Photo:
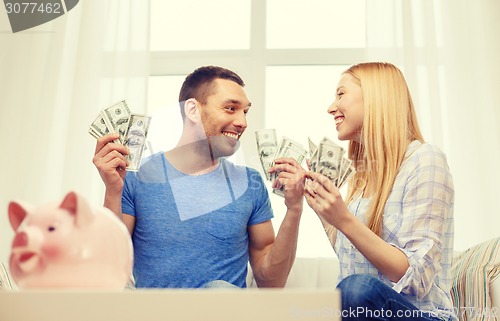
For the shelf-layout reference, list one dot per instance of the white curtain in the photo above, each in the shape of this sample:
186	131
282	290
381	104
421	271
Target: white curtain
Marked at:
54	80
449	51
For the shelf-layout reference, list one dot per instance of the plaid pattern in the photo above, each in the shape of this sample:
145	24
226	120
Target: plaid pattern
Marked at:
418	219
474	269
5	281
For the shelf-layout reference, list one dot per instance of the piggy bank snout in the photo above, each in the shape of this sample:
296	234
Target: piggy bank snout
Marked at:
29	237
20	240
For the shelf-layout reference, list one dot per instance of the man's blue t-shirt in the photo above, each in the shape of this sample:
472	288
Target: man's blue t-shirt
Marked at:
190	230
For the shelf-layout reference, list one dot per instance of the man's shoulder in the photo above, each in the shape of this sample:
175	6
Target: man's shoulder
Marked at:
247	178
152	169
236	168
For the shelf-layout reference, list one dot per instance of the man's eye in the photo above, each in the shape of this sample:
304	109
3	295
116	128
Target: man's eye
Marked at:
230	108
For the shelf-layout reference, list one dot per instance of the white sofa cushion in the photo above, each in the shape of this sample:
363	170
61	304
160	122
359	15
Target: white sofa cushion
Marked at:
314	273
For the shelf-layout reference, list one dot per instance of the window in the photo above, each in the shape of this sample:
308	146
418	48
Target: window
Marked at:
200	25
289	52
315	24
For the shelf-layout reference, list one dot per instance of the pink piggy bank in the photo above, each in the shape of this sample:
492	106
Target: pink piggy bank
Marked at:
69	245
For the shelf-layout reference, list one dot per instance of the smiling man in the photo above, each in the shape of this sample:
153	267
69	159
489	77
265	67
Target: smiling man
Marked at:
197	219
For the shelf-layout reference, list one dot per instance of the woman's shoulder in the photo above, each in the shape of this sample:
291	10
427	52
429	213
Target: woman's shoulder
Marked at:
423	153
427	166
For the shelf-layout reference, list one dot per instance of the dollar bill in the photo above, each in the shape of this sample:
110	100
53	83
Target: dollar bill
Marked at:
267	144
330	159
313	153
98	127
135	139
291	149
348	173
94	133
116	118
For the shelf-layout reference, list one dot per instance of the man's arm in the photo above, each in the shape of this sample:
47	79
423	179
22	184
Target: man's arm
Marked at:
272	258
109	159
129	221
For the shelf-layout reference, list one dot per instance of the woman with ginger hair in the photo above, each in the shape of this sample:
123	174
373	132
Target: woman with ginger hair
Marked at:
394	233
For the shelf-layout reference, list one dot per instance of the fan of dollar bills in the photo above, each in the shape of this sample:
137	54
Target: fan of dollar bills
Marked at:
133	129
269	150
327	158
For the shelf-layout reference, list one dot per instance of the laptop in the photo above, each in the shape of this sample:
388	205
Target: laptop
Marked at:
171	305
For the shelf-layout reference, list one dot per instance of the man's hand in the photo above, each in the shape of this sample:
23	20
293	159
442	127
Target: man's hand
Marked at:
109	158
292	177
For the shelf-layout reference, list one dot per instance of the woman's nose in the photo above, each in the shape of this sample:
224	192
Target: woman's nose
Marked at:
333	108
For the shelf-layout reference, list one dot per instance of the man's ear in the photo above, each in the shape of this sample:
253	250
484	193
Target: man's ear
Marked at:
191	110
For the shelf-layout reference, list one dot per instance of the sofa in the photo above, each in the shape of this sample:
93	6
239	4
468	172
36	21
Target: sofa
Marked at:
476	279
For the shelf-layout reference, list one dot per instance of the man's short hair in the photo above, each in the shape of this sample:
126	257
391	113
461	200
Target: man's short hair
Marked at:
200	84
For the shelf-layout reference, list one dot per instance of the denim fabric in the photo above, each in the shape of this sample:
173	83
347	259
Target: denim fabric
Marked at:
365	297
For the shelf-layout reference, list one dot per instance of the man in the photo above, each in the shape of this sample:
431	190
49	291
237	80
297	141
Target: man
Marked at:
195	217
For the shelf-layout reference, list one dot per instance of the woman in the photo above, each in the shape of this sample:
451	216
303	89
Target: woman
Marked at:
394	239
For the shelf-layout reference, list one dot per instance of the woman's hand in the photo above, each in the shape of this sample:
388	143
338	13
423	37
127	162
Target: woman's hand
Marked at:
325	199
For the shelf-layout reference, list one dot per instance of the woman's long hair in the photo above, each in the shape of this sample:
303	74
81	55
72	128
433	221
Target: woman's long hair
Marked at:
389	126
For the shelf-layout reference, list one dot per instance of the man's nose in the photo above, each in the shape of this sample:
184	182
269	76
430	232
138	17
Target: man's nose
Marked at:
241	120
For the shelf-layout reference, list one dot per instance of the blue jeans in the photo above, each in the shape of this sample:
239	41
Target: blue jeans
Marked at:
364	297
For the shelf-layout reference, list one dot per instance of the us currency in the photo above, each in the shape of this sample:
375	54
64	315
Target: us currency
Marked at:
98	127
267	145
313	152
291	149
135	139
349	172
94	133
287	148
116	118
330	159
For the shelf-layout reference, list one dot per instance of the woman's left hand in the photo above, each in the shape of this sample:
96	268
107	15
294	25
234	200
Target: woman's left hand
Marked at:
325	199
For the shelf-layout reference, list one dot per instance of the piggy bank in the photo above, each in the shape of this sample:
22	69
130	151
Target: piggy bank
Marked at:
69	245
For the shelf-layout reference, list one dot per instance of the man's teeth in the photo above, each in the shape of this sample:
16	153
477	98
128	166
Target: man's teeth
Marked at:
233	136
339	120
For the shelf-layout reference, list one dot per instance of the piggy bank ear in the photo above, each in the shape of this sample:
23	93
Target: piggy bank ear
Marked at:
17	213
77	207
